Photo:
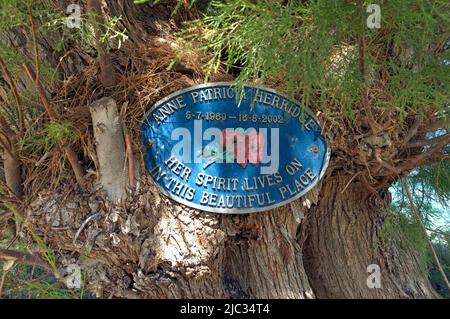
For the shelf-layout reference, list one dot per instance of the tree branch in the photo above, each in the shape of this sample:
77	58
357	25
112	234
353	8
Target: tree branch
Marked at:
422	226
412	130
24	258
35	44
14	91
427	142
419	159
34	77
71	155
106	67
445	234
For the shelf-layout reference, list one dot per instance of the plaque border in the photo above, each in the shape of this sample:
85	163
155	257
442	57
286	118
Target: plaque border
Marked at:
235	210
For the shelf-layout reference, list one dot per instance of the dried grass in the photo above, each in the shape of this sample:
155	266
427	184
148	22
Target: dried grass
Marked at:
143	77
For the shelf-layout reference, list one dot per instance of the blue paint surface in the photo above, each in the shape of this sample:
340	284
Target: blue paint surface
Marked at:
244	188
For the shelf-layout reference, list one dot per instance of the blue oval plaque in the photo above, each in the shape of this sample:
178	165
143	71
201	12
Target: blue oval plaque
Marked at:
220	149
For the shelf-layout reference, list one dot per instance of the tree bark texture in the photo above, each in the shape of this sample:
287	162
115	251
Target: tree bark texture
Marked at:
343	236
151	247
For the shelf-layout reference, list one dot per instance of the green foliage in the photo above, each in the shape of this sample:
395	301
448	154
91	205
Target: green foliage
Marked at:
53	134
154	2
47	290
406	232
323	54
307	49
52	20
47	253
112	35
27	281
14	15
443	253
33	282
430	185
311	49
145	1
433	181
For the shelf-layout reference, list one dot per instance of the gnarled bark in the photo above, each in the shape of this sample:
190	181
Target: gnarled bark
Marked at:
342	237
152	247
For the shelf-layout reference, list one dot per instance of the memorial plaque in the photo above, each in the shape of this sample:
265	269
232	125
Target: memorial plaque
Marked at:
221	149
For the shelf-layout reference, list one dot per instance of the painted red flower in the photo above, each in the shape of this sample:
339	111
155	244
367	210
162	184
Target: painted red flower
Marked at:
245	145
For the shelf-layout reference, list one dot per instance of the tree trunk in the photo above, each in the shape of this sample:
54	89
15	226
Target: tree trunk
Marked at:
152	247
342	238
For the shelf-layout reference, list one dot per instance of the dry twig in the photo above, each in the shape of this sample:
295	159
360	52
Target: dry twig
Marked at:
24	258
422	227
